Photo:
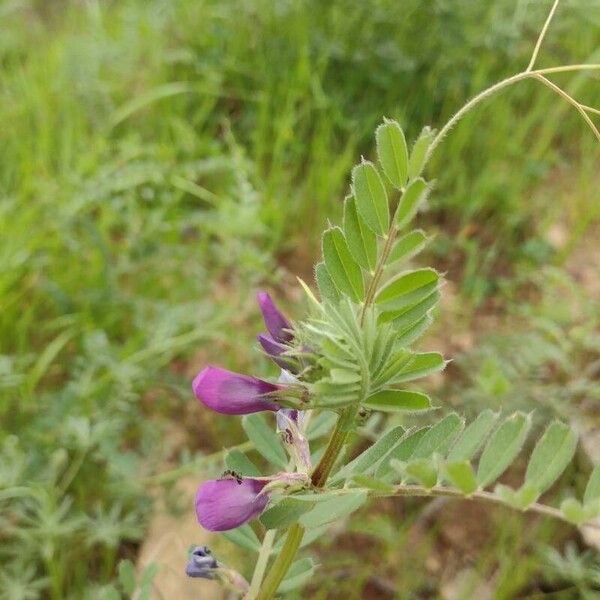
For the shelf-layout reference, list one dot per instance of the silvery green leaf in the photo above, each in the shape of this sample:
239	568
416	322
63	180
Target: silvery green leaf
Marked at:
573	511
404	284
368	460
407	246
422	470
462	476
244	537
325	284
127	576
342	268
398	400
409	317
344	376
300	572
394	365
392	152
317	496
551	456
473	437
382	350
333	509
410	202
285	513
402	451
502	448
321	424
418	154
371	483
371	197
409	334
362	242
421	365
525	496
264	439
592	489
237	461
440	437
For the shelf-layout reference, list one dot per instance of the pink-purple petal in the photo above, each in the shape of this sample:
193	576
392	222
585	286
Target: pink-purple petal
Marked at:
275	350
278	326
224	504
232	393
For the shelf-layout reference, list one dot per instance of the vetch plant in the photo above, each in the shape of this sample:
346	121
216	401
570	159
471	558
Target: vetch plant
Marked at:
352	356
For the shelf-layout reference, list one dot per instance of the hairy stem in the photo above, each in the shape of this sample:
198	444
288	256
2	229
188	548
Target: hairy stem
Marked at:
334	447
282	563
387	248
261	564
542	35
578	107
295	534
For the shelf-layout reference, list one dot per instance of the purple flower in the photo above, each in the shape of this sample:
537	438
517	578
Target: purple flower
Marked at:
275	350
223	504
202	563
277	325
234	394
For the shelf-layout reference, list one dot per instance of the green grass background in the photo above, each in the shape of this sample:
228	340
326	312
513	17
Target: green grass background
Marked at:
161	160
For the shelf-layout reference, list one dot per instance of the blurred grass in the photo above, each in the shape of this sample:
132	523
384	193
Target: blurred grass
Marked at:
158	157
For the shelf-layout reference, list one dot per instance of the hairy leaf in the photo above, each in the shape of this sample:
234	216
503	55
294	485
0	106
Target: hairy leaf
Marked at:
325	284
421	365
592	489
407	246
300	572
285	513
334	509
264	439
244	537
373	484
362	242
551	456
402	451
370	458
371	197
409	334
473	437
343	269
439	438
410	202
421	469
409	317
392	152
462	476
502	448
416	162
404	284
398	400
237	461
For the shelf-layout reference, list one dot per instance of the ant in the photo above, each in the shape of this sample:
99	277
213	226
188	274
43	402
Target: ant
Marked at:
236	476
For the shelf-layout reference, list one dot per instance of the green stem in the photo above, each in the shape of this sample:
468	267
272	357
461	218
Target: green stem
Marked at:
295	534
334	447
282	563
261	564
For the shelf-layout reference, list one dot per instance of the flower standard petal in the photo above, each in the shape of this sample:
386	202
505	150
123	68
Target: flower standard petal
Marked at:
223	504
279	327
232	393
